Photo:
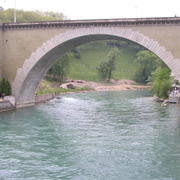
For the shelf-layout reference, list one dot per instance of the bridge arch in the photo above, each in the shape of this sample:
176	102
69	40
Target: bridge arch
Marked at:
35	67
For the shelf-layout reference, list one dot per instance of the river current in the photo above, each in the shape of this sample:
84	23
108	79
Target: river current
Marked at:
92	136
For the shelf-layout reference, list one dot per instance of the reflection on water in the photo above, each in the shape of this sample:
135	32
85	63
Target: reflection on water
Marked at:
97	135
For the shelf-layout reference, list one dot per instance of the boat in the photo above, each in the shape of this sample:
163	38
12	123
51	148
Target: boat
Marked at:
174	95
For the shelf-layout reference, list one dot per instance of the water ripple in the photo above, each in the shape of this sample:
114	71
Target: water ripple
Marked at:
97	135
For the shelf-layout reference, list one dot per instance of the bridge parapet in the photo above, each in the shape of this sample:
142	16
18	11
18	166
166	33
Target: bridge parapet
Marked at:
94	22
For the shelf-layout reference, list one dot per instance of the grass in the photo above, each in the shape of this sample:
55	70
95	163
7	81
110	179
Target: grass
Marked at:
85	67
46	88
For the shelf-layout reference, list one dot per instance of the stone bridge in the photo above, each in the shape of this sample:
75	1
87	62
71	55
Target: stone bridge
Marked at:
28	50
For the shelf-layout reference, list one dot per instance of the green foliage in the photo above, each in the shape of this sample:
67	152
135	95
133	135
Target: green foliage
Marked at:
59	70
85	59
161	82
92	54
45	87
29	16
5	87
148	62
105	68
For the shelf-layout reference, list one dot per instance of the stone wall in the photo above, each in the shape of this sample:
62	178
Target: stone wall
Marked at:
6	106
20	44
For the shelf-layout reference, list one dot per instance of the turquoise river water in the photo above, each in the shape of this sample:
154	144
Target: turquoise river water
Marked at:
92	136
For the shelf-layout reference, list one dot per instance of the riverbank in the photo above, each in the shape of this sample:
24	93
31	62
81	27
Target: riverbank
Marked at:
82	85
6	105
49	90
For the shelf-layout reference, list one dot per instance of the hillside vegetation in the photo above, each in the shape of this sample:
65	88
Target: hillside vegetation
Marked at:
29	16
92	54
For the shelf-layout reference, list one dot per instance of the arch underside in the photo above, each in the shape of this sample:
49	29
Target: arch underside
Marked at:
33	70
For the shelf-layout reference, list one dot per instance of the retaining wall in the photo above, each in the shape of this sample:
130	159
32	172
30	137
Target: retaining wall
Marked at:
6	106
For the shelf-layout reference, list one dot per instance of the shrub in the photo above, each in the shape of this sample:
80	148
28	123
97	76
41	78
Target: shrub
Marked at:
5	87
161	82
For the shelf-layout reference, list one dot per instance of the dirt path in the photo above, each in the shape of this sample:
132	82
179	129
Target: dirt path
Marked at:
121	87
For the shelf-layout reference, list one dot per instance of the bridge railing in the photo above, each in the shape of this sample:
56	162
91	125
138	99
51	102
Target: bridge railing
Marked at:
93	22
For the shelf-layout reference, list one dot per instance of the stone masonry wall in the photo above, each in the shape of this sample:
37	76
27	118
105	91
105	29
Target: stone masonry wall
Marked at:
19	44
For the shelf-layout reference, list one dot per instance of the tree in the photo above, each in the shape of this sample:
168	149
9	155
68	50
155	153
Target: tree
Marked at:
161	82
106	68
29	16
147	62
58	71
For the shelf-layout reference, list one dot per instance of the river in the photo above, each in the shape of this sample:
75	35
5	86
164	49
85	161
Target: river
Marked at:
92	136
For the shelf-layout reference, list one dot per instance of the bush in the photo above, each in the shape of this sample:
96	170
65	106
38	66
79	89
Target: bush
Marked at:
148	62
105	69
161	82
5	87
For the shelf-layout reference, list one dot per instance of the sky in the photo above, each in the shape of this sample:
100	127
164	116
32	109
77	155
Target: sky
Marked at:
100	9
